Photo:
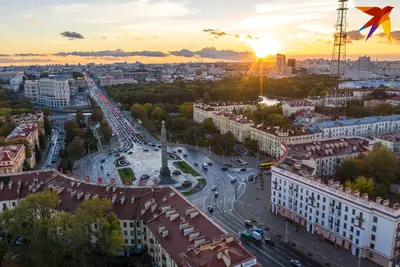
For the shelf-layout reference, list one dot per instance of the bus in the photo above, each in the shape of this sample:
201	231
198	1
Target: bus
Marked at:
266	165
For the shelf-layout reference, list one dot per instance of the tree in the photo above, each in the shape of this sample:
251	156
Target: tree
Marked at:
26	166
76	148
209	125
251	145
323	93
148	108
79	118
38	155
355	111
97	114
350	170
42	141
382	109
107	133
206	98
157	114
47	126
138	111
364	185
229	142
186	108
190	135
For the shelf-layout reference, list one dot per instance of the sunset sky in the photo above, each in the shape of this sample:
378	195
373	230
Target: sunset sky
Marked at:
158	31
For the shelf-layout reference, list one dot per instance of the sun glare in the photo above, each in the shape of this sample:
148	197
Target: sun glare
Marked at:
264	46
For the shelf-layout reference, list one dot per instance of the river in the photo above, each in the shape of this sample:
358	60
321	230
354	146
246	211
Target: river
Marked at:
269	101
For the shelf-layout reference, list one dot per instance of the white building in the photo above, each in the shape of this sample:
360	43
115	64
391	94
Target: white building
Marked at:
292	106
328	155
270	138
108	81
203	111
394	101
365	127
15	79
158	219
366	228
360	94
392	141
236	124
50	93
332	101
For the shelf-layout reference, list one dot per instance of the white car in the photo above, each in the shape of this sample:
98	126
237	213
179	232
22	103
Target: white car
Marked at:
108	173
214	188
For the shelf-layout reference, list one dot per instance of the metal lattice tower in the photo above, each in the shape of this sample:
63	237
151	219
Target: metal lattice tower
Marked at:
339	44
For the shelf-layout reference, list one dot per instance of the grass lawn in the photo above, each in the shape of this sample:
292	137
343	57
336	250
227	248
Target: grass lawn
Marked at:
126	175
187	193
184	167
202	181
103	142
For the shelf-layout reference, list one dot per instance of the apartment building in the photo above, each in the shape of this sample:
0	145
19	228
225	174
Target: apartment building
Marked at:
392	141
38	118
332	101
327	155
15	78
236	124
394	101
50	93
293	106
158	219
29	132
365	127
203	111
366	228
108	81
270	138
11	158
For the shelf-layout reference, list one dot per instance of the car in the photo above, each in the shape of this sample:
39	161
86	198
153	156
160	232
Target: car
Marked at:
233	180
179	150
117	155
159	146
101	167
248	223
259	230
145	150
19	240
243	169
224	168
156	149
210	209
209	164
296	263
130	152
176	172
269	241
173	151
185	155
214	187
108	173
196	164
215	193
102	161
204	166
145	177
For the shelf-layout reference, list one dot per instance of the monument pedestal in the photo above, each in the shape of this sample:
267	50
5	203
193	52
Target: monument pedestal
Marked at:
165	173
165	176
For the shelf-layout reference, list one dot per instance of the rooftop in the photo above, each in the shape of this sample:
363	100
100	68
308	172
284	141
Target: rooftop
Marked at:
396	98
28	116
328	148
22	131
276	130
238	118
352	122
390	137
8	154
187	234
299	103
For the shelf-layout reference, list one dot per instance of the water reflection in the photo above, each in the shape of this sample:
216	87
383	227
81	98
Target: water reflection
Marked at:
268	101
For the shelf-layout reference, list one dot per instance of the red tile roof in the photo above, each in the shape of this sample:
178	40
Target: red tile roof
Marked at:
157	206
8	153
396	98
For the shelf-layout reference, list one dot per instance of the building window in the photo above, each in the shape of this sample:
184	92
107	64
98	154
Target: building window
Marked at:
132	241
373	228
131	224
324	199
95	226
375	220
126	241
353	211
352	220
125	225
125	232
352	229
373	237
371	255
358	233
132	233
138	224
345	217
356	241
344	233
372	245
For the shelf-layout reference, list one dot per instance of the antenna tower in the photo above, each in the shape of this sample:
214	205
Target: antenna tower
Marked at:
339	45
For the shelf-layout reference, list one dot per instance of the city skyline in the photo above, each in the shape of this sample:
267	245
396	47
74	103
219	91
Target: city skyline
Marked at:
181	31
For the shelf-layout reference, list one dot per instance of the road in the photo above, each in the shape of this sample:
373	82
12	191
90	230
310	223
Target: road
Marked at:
223	204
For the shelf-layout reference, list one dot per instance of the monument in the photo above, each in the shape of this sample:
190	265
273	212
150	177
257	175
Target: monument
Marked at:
165	173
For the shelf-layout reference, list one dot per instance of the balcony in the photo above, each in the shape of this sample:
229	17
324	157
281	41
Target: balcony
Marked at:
151	241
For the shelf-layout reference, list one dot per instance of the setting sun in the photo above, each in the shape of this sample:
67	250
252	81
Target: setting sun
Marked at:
264	46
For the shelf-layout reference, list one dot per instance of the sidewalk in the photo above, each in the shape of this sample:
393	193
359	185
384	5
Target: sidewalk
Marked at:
303	241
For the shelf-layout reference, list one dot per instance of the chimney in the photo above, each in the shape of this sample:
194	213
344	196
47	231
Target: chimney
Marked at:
72	183
386	203
164	233
396	206
230	238
183	225
161	228
59	190
87	196
73	193
132	199
187	230
9	184
1	185
194	235
365	196
153	207
122	199
199	241
356	193
172	194
114	198
114	188
378	200
174	216
107	188
95	195
169	212
79	184
164	199
190	210
193	214
80	194
165	208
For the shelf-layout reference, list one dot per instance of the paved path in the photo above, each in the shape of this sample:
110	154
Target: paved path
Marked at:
255	199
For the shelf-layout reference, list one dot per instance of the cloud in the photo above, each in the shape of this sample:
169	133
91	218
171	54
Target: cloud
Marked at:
183	53
355	35
4	55
110	53
216	32
213	53
103	37
395	35
101	12
237	36
30	55
72	35
32	20
24	60
29	18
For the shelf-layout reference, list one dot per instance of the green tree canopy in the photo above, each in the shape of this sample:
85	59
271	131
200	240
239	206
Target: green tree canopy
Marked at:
157	114
76	148
364	185
209	125
206	98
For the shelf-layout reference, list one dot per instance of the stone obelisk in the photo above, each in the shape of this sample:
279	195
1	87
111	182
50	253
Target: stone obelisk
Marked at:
165	173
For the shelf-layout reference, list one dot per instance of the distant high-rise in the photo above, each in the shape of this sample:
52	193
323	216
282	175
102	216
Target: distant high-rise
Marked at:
280	63
291	62
364	63
49	93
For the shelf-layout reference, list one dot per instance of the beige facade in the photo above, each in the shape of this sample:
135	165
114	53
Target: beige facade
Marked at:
203	111
11	158
229	122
